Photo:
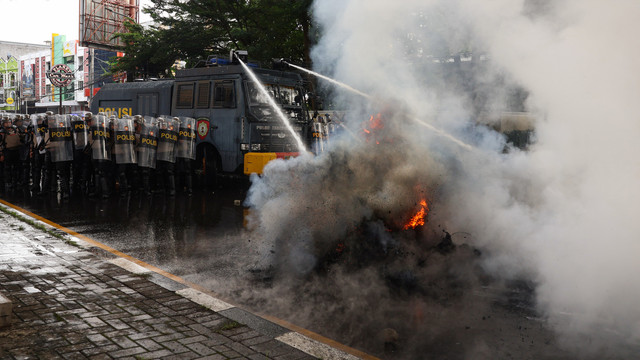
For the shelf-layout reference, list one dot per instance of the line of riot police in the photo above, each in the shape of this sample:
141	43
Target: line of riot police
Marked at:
96	155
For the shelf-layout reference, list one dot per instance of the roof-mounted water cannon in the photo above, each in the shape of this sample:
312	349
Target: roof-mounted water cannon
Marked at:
280	64
239	55
217	60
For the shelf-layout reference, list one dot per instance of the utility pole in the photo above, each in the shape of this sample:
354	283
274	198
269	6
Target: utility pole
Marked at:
91	77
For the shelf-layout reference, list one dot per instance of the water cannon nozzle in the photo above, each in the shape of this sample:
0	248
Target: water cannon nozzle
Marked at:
280	64
239	55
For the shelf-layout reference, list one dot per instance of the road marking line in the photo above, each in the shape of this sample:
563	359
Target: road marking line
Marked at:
130	266
205	300
313	347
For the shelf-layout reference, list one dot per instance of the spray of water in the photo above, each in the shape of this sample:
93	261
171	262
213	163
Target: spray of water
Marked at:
332	81
367	96
274	105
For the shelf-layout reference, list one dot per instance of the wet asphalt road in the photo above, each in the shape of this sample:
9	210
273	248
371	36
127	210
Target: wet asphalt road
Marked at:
445	309
172	232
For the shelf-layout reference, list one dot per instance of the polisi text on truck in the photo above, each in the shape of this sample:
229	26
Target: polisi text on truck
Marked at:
119	111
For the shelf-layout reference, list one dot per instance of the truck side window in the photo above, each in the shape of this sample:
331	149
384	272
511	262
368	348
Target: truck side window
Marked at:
202	101
224	94
185	96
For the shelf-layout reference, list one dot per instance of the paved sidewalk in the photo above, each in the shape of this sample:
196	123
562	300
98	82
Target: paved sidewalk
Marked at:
70	301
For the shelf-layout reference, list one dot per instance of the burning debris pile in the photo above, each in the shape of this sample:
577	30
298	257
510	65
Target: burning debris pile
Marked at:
366	188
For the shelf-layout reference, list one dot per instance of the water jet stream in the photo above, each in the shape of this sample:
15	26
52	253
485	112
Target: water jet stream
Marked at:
335	82
367	96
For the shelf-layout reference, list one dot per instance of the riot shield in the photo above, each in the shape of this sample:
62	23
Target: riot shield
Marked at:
26	136
148	145
60	137
40	125
125	141
80	132
100	136
186	146
318	143
167	138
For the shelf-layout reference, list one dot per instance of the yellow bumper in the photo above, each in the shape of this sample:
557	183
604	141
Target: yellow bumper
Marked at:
255	162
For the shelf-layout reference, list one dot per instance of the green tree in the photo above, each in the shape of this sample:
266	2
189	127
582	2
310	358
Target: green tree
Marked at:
192	30
147	53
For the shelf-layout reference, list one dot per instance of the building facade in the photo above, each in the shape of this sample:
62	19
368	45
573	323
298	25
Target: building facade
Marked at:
24	80
10	76
8	84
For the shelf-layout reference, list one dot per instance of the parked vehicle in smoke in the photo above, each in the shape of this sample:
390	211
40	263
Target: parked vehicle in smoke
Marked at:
237	131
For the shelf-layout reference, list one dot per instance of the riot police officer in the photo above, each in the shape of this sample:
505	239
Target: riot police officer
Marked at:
81	157
38	121
146	149
316	134
99	141
61	149
50	178
23	152
124	152
112	169
26	150
186	153
166	156
11	152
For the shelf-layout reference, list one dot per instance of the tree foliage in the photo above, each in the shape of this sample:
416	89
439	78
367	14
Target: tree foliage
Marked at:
191	30
146	53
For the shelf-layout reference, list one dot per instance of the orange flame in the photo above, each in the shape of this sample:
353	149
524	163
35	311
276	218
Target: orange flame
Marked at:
376	123
372	126
418	218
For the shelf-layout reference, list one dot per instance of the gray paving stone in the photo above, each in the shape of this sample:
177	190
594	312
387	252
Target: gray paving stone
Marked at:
244	350
175	347
73	304
270	348
192	339
149	344
99	340
201	349
97	350
215	357
127	352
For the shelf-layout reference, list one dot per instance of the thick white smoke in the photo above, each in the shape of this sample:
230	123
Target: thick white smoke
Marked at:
562	213
577	60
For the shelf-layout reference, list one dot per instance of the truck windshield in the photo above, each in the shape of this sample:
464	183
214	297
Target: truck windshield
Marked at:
283	95
288	97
